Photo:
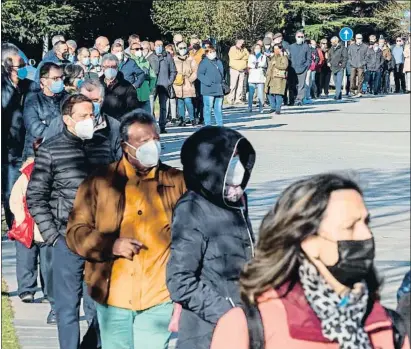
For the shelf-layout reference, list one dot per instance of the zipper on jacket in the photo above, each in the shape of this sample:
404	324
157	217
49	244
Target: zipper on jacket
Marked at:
249	233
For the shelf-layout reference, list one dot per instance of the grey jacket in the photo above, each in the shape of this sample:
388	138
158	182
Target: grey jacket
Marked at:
374	60
337	58
167	71
154	63
300	56
356	55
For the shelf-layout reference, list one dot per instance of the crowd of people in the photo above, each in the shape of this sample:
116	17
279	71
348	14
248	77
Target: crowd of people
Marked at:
152	249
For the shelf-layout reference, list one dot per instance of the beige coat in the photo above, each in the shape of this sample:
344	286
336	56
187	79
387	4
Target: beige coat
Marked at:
275	85
17	195
186	66
407	58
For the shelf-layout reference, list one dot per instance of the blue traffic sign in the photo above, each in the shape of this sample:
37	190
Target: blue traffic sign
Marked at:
346	34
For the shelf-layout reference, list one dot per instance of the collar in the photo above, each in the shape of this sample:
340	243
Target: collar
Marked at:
304	324
159	173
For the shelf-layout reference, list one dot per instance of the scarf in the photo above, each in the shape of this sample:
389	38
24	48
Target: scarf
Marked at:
341	317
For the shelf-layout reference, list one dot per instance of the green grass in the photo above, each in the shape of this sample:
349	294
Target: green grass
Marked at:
8	333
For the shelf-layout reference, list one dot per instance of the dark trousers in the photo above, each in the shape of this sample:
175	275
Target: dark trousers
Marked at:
297	86
356	72
385	81
198	102
68	269
325	77
27	263
399	78
374	81
162	94
338	81
9	175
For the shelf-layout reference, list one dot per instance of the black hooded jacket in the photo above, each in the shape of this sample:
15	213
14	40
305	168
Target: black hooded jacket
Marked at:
211	239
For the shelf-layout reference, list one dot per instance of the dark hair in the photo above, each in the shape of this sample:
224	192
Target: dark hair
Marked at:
135	116
133	37
36	145
46	67
210	48
72	72
71	101
296	215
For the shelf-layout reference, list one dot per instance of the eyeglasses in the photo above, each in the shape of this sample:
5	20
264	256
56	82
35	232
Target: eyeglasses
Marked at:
399	40
182	48
300	37
56	78
136	49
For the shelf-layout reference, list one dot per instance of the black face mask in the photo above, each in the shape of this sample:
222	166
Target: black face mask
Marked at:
355	260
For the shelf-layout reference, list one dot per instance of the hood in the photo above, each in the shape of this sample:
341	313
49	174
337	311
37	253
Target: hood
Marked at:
205	156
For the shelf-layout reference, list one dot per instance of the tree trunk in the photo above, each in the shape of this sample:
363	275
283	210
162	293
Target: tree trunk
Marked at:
303	19
45	44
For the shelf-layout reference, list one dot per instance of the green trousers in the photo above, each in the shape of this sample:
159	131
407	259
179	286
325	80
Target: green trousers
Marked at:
127	329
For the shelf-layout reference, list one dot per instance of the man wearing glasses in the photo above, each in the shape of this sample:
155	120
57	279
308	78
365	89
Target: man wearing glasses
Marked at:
398	56
356	60
43	106
148	87
300	62
61	164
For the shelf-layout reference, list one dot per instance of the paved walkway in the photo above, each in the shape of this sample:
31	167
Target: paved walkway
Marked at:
369	138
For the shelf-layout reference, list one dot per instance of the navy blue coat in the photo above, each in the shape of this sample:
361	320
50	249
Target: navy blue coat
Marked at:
167	70
133	73
210	77
39	111
300	57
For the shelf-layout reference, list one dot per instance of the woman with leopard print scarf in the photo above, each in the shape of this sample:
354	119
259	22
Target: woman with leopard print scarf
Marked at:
312	278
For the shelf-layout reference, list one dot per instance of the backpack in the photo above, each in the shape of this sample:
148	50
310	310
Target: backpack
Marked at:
256	328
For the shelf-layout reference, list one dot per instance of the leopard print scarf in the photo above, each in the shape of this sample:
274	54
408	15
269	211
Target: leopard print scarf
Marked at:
341	318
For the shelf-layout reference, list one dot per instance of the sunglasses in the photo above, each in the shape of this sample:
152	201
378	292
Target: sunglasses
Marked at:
136	49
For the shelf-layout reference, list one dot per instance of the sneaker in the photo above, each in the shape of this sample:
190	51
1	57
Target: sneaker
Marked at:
27	297
272	111
308	101
298	103
277	112
164	131
262	111
51	318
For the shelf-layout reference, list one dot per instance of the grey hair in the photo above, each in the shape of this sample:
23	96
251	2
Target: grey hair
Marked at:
91	84
71	43
92	49
145	43
56	38
8	51
335	38
109	57
81	49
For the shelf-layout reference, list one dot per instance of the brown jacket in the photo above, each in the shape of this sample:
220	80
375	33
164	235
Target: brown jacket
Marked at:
188	68
273	84
95	221
198	56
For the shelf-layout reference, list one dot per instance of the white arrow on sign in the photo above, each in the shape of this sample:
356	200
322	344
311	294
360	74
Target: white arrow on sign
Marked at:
346	34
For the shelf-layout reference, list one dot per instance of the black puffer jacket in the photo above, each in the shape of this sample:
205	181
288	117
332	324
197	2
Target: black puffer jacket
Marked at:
120	97
62	163
39	111
211	239
12	123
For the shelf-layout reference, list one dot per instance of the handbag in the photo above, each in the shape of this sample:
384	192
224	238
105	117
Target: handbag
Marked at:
24	232
282	74
179	80
224	85
171	93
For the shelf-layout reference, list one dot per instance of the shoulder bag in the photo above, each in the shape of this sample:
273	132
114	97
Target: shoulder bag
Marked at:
224	85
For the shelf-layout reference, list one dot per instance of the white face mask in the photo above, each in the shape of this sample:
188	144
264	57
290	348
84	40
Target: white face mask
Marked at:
148	154
120	56
233	194
139	53
84	129
182	51
212	55
235	172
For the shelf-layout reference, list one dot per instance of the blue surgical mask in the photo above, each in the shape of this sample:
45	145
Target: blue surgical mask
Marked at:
22	73
71	58
96	108
159	50
85	61
95	61
57	86
79	83
110	73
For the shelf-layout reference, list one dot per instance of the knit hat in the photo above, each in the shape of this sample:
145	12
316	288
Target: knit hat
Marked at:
267	41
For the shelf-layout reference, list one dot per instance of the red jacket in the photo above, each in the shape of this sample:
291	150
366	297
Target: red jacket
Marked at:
289	322
322	60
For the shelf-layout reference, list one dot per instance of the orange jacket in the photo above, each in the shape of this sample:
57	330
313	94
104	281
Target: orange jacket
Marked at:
290	323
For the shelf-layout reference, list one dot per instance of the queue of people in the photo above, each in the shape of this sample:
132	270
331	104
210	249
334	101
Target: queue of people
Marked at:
133	237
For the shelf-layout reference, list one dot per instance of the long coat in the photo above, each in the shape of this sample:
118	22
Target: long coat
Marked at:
186	66
276	85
